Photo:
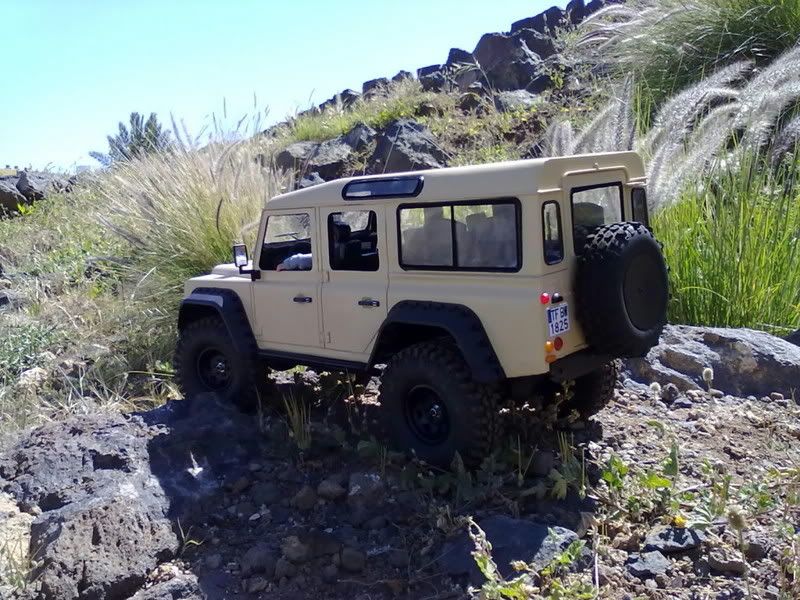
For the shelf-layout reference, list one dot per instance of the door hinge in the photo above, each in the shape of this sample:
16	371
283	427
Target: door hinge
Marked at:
326	276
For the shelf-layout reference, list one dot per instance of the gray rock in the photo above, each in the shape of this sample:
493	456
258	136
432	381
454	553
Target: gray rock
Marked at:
353	560
330	574
259	559
647	565
457	55
721	562
341	101
469	102
745	362
794	338
10	197
326	158
406	145
359	137
508	64
305	499
432	78
256	584
330	489
515	100
310	180
213	561
265	493
755	549
576	11
673	539
35	185
374	86
183	587
511	539
398	558
108	490
295	550
670	393
402	76
682	403
547	21
284	568
365	490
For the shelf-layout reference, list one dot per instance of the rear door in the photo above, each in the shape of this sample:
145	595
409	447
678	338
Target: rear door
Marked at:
355	279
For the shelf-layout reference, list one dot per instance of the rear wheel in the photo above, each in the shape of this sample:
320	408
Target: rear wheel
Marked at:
431	406
593	391
206	361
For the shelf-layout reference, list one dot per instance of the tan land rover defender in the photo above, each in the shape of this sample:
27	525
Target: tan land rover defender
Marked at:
472	285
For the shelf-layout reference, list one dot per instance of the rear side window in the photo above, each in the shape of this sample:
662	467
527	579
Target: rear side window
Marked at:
593	207
470	236
551	233
353	240
639	204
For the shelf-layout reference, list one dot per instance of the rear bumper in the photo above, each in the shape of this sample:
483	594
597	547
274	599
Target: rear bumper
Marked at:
576	365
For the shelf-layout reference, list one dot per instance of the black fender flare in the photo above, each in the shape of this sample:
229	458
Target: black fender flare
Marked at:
225	304
457	320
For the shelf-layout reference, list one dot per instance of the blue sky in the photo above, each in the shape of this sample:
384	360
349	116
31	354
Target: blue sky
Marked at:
72	69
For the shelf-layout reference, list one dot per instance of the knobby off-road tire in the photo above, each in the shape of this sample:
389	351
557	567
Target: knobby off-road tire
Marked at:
593	391
436	372
621	290
201	346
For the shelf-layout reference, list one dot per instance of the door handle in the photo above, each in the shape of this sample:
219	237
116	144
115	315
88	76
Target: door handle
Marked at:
303	299
369	302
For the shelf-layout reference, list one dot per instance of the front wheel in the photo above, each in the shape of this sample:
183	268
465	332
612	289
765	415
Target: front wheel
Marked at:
432	408
206	361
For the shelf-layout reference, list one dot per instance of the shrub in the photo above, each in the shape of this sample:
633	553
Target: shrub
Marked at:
733	247
670	44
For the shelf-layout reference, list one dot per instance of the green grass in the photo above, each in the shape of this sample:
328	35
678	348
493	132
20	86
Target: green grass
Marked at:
733	248
671	44
401	100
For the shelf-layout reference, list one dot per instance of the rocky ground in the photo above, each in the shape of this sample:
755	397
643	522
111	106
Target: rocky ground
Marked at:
685	493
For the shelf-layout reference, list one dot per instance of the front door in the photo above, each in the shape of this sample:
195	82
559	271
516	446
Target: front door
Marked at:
286	298
355	285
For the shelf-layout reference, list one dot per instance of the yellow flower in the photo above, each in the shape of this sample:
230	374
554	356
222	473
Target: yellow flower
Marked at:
679	521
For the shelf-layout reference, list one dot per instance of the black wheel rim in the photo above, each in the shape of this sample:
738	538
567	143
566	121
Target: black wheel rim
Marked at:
427	415
214	369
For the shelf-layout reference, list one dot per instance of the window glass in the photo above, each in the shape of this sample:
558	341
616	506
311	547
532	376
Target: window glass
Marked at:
639	202
353	240
485	236
551	233
287	243
594	207
426	236
383	188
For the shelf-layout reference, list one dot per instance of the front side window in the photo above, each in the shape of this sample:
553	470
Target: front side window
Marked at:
353	240
551	233
466	236
287	243
593	207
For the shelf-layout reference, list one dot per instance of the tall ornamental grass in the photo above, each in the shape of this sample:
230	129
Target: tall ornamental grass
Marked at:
180	211
670	44
733	248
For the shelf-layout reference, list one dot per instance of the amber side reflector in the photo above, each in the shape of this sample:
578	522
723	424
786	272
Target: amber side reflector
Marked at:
550	358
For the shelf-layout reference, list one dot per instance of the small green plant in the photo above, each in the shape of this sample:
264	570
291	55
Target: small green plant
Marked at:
571	473
554	581
298	418
17	563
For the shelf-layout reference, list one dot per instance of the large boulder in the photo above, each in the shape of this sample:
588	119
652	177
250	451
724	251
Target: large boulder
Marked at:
794	338
35	185
432	78
10	196
107	492
744	361
406	145
510	101
511	540
546	22
508	63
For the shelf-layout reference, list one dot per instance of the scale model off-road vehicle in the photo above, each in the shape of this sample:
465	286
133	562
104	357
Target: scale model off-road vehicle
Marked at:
472	285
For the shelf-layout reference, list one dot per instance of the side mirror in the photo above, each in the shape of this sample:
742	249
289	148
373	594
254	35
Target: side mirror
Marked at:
240	255
240	260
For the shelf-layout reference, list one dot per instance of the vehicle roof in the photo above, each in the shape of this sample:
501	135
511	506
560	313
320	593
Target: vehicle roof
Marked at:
504	179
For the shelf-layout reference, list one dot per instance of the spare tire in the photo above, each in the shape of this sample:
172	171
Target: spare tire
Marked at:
622	290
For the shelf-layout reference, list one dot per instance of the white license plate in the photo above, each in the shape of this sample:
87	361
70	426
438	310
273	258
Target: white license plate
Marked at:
557	320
